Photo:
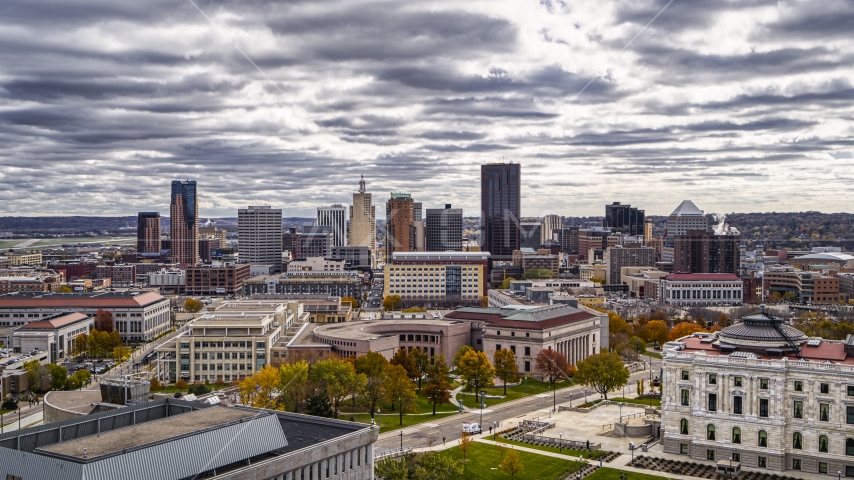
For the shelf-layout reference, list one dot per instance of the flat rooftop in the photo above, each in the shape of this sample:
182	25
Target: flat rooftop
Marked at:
361	330
147	433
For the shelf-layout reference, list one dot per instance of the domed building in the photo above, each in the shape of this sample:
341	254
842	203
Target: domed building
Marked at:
762	393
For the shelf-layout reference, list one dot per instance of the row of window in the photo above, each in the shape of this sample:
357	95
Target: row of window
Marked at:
798	385
330	467
220	356
417	338
797	407
762	438
223	344
513	349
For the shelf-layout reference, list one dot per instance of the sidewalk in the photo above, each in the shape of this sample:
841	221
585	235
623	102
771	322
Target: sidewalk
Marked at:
12	421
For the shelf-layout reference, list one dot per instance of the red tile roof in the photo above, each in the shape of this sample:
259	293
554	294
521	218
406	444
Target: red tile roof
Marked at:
57	322
70	301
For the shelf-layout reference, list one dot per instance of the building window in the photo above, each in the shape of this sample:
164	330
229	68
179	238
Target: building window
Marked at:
497	346
527	334
527	351
763	438
798	410
710	455
736	457
849	414
762	462
710	432
797	441
736	405
822	444
686	395
685	375
824	388
823	412
713	379
498	332
849	446
736	435
851	390
796	464
713	402
736	381
683	426
683	448
822	467
799	386
763	407
527	366
763	384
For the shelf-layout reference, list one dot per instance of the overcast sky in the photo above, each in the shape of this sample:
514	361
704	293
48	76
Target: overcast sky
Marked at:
740	106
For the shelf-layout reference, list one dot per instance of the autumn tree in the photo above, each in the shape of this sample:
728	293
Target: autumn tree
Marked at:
476	371
64	289
511	463
618	330
191	305
724	321
604	372
465	444
437	388
374	366
422	362
553	365
351	300
293	386
337	379
683	329
404	359
459	355
505	366
392	302
267	386
399	388
657	331
433	466
122	353
506	283
390	468
104	320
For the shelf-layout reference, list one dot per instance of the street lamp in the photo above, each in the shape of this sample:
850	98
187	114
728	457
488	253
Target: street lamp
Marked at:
494	430
839	475
19	419
729	472
482	404
621	411
632	448
560	445
401	440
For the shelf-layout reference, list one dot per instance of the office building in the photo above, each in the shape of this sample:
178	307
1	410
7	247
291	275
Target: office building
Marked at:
335	216
30	280
25	259
173	439
184	223
420	231
363	219
437	278
215	280
259	230
500	206
211	232
444	229
686	217
542	259
56	335
329	283
148	232
550	224
763	394
617	257
401	235
136	315
119	274
313	243
700	289
568	239
354	256
316	264
702	251
624	219
647	232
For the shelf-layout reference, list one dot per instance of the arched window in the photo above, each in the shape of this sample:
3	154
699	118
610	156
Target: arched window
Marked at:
822	444
736	435
763	438
849	446
797	441
683	426
710	432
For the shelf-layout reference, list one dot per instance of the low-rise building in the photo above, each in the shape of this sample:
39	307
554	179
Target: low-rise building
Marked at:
28	258
119	274
618	256
762	394
353	256
137	316
212	280
57	334
319	308
30	280
224	345
173	280
316	264
700	289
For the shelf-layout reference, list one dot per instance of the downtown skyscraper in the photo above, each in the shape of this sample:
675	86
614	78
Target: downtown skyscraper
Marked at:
363	219
500	206
334	216
148	232
259	231
184	222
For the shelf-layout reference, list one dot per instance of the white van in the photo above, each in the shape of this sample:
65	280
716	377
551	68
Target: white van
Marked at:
471	428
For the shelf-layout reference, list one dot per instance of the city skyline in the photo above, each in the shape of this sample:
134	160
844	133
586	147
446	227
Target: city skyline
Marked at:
711	102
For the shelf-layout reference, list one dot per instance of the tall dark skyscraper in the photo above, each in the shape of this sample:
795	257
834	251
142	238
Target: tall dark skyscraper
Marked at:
500	205
148	232
184	222
444	229
624	219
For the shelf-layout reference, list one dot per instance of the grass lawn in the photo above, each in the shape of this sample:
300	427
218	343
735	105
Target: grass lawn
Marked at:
388	423
566	451
174	389
641	401
483	460
614	474
528	387
653	354
4	412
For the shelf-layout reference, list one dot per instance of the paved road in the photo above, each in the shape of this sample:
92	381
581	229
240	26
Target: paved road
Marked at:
417	436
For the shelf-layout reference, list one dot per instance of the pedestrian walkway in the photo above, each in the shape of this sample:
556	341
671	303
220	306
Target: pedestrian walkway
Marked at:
25	422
